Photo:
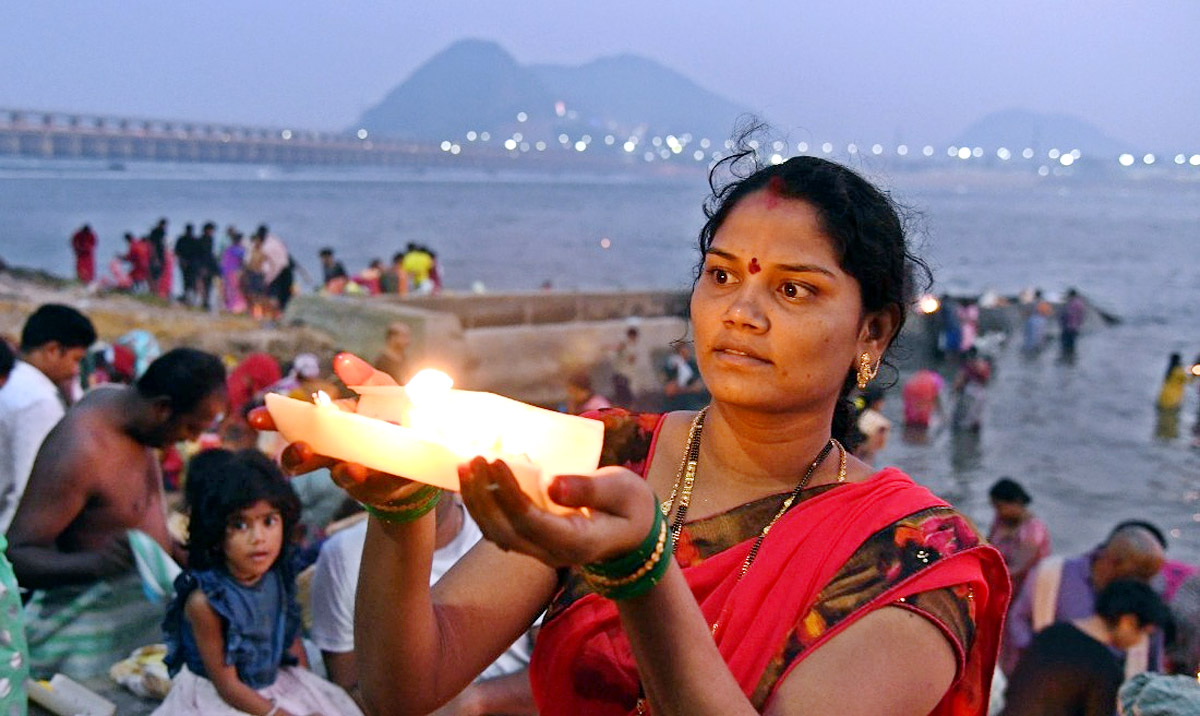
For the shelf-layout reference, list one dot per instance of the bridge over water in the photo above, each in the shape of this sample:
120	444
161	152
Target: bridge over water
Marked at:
73	135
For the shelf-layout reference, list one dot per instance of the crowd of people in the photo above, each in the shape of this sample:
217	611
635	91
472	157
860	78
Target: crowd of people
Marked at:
1037	316
739	553
969	367
958	324
1080	626
231	274
414	271
101	444
236	274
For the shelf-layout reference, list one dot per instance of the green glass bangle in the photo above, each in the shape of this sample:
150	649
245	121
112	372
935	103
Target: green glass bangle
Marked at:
643	585
627	563
408	509
642	574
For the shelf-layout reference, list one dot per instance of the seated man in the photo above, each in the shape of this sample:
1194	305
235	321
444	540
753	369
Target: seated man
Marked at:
1061	590
53	341
1070	667
95	481
502	688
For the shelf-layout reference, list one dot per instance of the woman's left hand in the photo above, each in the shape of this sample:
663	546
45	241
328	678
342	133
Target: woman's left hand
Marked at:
620	512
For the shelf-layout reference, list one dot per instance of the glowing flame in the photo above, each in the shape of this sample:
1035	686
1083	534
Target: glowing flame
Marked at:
929	304
1196	370
427	385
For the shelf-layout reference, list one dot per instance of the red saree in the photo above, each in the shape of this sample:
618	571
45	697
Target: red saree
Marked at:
583	664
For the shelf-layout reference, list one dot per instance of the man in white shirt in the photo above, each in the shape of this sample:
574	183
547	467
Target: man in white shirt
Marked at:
53	341
502	688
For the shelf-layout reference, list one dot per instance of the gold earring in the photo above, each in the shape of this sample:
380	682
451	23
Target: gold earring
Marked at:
866	371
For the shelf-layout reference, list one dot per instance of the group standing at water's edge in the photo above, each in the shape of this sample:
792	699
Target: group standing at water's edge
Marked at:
735	621
415	270
259	279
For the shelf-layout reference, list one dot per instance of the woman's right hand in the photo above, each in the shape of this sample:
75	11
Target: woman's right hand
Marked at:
368	486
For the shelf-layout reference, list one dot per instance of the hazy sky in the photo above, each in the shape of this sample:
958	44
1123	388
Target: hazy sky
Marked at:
870	70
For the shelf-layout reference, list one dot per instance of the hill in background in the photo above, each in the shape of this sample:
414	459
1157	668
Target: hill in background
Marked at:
1019	128
475	85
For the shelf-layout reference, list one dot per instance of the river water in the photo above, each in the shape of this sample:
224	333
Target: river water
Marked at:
1085	438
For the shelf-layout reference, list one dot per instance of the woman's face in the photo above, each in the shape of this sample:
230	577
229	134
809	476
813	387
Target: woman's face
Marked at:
778	323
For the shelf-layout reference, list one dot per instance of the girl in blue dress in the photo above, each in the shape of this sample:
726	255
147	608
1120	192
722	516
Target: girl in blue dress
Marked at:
232	629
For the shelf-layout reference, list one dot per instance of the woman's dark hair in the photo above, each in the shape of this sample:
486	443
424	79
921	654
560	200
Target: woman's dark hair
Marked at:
1129	596
1006	490
863	223
184	376
223	484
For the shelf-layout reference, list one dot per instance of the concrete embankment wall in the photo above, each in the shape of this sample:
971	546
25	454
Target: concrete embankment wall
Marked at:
520	345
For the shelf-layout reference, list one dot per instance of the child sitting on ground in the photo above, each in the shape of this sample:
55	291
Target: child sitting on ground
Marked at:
232	629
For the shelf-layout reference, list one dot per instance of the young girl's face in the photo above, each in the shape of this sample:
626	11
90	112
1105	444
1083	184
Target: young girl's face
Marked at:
253	539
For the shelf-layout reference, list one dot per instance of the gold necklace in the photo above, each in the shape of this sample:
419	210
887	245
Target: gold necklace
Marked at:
685	480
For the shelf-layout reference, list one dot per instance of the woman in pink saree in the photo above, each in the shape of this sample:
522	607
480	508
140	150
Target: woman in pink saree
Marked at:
232	259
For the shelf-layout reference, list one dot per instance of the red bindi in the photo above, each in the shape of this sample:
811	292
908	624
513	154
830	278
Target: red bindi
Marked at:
754	267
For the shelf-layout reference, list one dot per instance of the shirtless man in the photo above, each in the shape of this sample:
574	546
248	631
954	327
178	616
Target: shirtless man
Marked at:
95	477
